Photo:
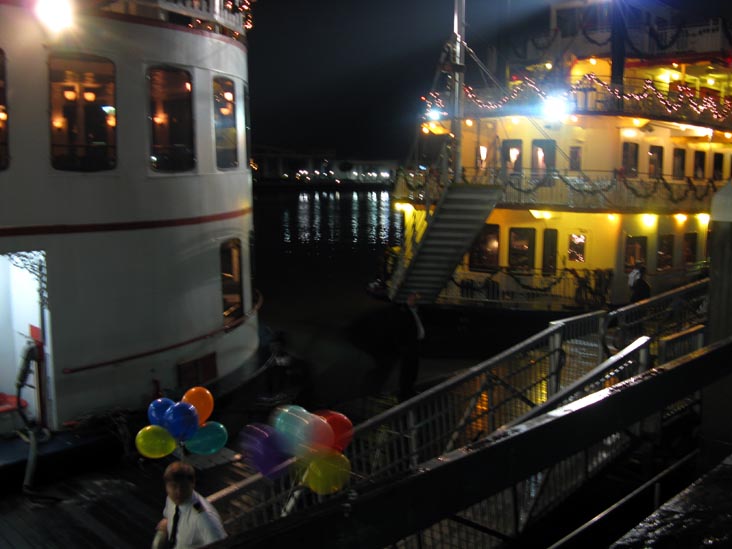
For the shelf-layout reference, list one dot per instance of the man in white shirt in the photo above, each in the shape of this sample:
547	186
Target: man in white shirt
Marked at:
190	521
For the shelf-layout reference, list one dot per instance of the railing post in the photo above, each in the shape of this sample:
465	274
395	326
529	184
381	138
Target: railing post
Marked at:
556	361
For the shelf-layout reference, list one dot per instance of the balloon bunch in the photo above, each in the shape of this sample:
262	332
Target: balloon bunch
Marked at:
317	439
184	423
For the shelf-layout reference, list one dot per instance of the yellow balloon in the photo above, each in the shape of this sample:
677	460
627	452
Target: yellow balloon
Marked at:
154	442
202	400
327	473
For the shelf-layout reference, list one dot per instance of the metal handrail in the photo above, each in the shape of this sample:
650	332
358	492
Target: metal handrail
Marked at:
478	401
127	358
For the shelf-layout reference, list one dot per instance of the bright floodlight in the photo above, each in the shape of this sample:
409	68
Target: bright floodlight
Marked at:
555	108
55	15
433	114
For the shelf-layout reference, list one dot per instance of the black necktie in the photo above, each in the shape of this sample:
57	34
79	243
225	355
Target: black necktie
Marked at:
174	531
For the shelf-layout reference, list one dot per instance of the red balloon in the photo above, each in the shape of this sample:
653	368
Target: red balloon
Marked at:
342	428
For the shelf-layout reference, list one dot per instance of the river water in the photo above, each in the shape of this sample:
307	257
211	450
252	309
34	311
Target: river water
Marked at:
315	253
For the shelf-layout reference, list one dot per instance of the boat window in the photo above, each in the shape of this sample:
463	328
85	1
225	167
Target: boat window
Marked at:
231	281
171	118
690	248
679	167
511	156
543	156
635	251
83	113
4	155
521	249
700	161
549	253
655	161
717	166
224	105
665	254
576	250
575	159
484	251
630	159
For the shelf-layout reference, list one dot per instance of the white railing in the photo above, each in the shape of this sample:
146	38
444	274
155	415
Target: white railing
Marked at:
475	403
205	13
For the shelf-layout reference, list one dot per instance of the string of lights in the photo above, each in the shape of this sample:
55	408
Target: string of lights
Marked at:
683	99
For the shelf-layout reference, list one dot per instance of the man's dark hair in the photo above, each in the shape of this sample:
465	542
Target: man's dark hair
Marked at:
179	471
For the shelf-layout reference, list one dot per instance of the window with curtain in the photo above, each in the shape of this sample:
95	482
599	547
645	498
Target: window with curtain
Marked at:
576	249
543	156
630	159
521	246
232	289
635	252
484	251
655	161
83	113
224	110
171	119
679	164
665	252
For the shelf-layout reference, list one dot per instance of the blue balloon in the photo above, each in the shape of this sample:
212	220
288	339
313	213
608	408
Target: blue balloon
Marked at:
156	411
181	420
262	447
209	439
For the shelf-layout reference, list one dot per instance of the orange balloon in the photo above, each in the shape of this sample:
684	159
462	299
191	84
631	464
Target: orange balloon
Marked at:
202	399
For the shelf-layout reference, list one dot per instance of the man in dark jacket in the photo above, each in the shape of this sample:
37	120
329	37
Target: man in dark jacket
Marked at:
640	290
410	335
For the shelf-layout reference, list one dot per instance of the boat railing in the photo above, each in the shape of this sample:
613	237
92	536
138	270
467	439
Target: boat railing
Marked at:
476	402
613	190
705	36
212	15
562	289
587	94
667	313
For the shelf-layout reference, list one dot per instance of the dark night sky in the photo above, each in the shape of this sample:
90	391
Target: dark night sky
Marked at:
346	75
343	75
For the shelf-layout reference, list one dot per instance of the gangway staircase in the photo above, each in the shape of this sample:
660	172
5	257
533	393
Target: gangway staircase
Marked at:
451	228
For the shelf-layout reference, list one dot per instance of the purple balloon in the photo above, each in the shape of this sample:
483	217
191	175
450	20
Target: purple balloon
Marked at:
181	420
156	411
261	444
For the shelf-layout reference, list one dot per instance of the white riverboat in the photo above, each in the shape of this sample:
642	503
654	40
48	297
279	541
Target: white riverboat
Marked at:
126	210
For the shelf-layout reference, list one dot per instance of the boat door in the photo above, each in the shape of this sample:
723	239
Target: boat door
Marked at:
23	323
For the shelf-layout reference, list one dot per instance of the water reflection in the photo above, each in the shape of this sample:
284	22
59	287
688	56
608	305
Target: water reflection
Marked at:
328	218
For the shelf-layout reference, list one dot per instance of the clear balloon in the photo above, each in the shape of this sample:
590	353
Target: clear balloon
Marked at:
319	434
342	428
209	439
202	399
262	448
156	410
292	423
327	472
154	441
181	420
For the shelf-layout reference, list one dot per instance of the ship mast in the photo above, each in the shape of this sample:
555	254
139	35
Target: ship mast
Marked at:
458	75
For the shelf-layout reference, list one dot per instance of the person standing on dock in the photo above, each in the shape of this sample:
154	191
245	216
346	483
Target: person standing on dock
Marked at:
411	334
190	521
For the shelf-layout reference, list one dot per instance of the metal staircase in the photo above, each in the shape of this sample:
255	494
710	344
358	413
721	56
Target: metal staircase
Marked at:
451	229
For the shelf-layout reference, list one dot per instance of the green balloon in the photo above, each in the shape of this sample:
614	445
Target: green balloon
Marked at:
209	439
154	442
